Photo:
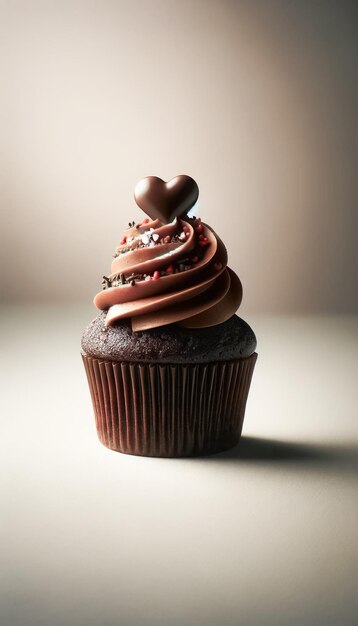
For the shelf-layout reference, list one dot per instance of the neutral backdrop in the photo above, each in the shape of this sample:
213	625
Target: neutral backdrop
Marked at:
255	99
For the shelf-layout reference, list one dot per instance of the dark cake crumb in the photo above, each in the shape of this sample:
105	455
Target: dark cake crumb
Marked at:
168	344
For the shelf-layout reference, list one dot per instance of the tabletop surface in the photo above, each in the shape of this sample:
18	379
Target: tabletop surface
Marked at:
266	533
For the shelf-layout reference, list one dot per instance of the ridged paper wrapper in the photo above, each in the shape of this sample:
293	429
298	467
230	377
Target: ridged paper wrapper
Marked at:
166	410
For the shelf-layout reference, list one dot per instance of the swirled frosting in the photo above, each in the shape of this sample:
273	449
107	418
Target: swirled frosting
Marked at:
166	273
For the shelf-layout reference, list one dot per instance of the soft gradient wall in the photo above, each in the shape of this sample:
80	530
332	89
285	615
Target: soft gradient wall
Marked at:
254	99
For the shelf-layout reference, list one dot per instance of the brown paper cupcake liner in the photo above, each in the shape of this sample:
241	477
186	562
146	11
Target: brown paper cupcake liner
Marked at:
168	410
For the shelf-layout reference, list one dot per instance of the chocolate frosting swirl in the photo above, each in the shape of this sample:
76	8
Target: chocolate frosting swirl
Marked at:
165	273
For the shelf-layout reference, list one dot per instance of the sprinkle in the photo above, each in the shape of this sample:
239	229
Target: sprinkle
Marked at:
145	239
218	266
146	220
148	278
167	239
132	282
156	275
123	241
155	237
182	236
129	278
199	228
170	269
122	278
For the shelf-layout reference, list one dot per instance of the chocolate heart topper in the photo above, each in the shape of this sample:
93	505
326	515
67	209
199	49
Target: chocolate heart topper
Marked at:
166	200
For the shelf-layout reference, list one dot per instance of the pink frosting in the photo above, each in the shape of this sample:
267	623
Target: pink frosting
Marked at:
170	273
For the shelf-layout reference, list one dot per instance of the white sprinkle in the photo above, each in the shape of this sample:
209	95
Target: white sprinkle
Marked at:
155	237
145	239
182	236
147	278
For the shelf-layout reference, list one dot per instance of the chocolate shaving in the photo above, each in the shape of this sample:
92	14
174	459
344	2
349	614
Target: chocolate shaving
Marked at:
133	276
106	282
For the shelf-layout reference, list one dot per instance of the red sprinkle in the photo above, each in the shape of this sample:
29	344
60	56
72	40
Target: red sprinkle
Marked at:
123	241
170	269
156	275
199	228
203	242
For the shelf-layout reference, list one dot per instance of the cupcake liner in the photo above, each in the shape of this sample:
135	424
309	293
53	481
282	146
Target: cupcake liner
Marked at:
169	410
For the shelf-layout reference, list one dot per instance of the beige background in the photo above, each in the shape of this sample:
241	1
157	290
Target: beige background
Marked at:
256	100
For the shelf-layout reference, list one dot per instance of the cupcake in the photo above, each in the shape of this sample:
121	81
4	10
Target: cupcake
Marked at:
168	362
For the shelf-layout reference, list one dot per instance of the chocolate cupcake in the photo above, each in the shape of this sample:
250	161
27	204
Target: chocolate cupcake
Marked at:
168	362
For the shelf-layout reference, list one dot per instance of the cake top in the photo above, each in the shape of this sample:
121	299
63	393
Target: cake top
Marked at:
234	339
169	268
